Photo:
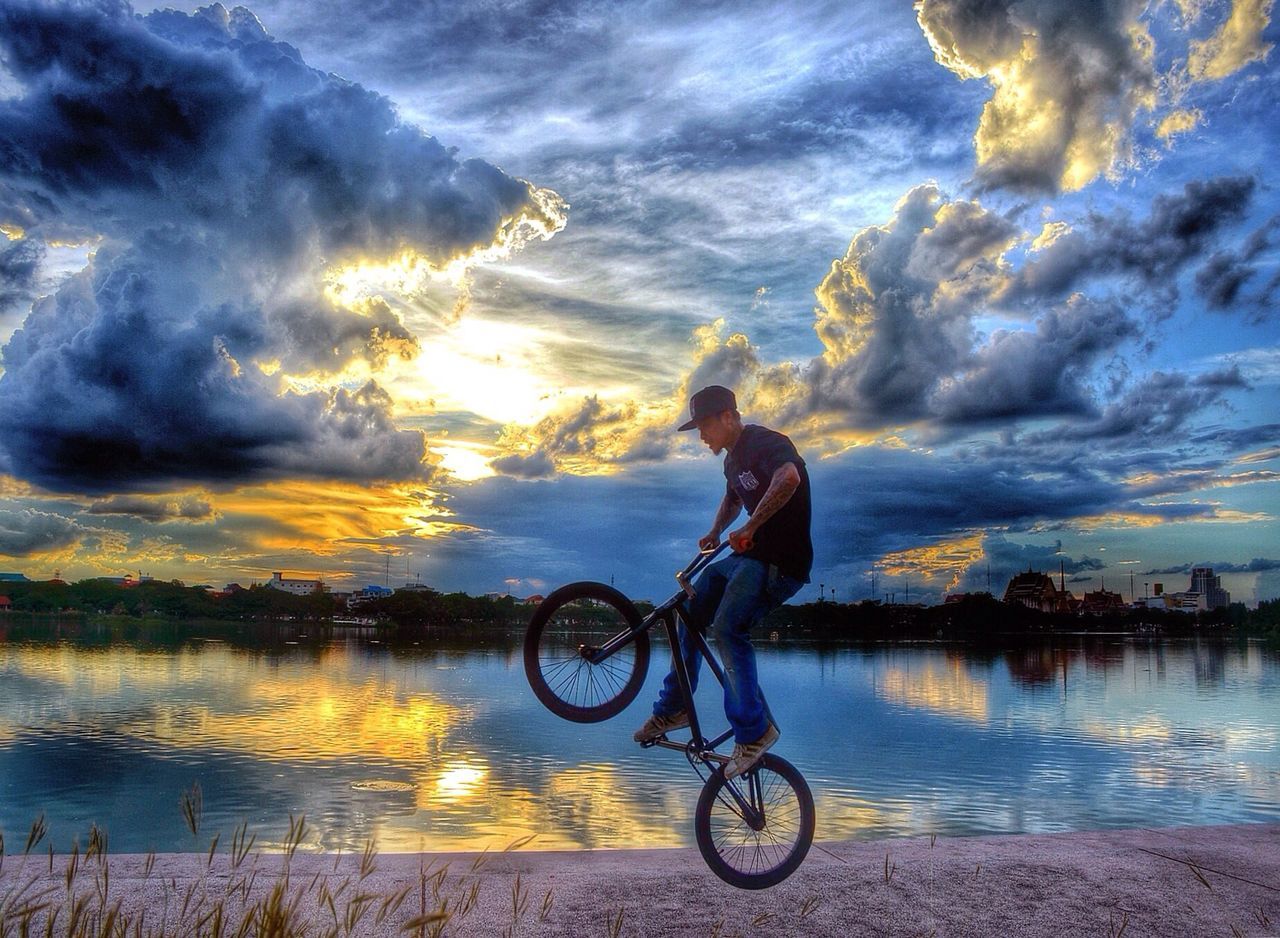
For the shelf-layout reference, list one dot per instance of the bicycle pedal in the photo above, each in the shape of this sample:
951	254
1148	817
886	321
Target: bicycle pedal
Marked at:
650	743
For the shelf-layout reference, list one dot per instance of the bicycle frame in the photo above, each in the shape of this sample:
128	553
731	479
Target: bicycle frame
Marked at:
699	750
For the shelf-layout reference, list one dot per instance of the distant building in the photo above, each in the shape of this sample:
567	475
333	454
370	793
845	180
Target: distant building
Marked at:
534	600
1210	587
296	586
1187	601
1101	601
6	604
1037	591
372	591
13	578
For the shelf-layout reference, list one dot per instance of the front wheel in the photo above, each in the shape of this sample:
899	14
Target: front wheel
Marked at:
568	626
762	843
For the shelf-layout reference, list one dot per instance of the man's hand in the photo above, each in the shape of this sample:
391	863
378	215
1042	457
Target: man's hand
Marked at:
743	539
709	542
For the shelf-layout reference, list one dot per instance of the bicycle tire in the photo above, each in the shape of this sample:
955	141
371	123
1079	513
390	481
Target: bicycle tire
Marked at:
566	683
756	859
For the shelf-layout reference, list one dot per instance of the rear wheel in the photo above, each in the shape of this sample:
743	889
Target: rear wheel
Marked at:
566	629
761	845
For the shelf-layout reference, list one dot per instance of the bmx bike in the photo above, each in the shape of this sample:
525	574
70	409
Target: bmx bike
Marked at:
586	654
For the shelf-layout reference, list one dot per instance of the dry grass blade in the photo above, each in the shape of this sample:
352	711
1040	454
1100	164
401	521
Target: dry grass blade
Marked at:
73	865
519	900
38	830
422	921
1200	876
762	918
97	842
543	912
809	906
240	846
615	924
297	831
213	848
889	870
480	860
519	843
368	866
1112	931
192	803
391	904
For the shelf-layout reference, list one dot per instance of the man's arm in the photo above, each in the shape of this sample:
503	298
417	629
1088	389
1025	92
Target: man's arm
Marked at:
785	481
730	505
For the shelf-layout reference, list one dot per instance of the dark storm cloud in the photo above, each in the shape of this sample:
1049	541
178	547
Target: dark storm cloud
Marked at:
1256	565
187	508
19	264
1180	229
1041	373
1222	278
882	500
1007	557
1153	411
225	175
26	531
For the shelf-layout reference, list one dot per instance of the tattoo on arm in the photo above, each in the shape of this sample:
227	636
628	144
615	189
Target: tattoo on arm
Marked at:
730	505
781	487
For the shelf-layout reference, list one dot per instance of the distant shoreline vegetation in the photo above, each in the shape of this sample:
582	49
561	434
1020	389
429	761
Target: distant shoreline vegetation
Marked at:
418	612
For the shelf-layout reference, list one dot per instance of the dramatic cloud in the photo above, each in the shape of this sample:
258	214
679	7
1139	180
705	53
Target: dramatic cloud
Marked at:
1236	43
27	531
1041	373
1222	278
1152	411
1179	229
19	263
1068	80
591	438
186	508
1256	565
228	180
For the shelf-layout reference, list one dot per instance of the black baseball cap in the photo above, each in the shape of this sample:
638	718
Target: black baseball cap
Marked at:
708	402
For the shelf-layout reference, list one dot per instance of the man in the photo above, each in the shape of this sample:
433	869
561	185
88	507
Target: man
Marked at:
771	559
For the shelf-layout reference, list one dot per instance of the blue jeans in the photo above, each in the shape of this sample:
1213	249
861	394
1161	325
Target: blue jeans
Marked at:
733	594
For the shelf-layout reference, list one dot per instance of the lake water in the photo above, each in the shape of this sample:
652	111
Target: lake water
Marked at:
1079	734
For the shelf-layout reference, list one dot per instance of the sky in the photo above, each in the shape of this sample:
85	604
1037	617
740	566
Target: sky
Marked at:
403	291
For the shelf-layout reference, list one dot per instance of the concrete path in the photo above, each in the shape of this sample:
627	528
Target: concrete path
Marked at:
1200	881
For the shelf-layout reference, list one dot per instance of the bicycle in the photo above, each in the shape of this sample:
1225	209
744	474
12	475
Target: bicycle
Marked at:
586	654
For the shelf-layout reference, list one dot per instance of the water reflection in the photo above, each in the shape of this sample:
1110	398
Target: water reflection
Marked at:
434	747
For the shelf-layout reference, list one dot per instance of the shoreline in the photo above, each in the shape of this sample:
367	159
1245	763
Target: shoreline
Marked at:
1173	881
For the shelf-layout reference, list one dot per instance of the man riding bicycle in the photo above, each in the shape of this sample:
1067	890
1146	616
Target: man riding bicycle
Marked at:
771	559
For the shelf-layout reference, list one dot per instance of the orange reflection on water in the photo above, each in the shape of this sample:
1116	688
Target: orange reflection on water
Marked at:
943	687
221	699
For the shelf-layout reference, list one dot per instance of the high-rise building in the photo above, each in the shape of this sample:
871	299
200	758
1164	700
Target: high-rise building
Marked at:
1210	587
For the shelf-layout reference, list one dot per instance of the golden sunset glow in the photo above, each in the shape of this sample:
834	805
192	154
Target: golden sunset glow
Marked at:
948	559
942	687
1178	122
318	516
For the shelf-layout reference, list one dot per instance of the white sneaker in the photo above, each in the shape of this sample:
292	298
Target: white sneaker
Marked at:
745	756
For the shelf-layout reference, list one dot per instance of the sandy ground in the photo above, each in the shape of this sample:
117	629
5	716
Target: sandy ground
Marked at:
1196	881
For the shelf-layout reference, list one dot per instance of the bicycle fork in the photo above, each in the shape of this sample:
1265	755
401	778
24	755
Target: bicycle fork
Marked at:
700	751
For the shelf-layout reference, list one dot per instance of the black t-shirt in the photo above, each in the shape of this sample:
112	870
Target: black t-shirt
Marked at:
748	470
